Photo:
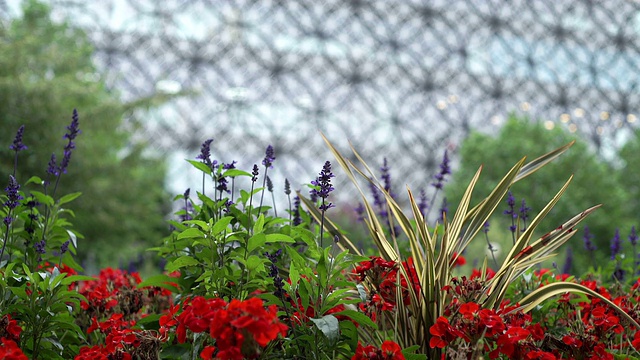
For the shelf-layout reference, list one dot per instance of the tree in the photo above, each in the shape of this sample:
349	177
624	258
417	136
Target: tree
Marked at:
46	71
593	181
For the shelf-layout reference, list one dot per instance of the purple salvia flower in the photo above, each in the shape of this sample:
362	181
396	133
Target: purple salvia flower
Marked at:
13	196
64	247
269	157
254	172
274	273
511	203
423	202
360	212
269	184
386	177
485	227
205	153
444	171
323	186
377	200
72	132
17	142
588	244
52	169
40	247
287	187
222	184
229	166
568	262
296	211
227	206
524	214
633	236
615	244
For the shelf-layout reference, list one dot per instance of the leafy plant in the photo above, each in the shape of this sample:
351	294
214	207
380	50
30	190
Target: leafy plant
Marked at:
433	252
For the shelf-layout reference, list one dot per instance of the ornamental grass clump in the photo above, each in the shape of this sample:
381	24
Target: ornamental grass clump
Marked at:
433	252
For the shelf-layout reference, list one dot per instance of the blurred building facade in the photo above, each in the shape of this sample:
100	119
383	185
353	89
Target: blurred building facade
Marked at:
401	79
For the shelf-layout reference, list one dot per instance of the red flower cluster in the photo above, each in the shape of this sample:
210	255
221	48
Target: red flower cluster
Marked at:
9	350
388	351
240	328
9	328
583	329
382	278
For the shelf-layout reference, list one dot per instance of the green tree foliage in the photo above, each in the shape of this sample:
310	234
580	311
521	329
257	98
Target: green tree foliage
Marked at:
594	181
46	71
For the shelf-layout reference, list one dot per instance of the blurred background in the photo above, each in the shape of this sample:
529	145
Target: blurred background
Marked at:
405	80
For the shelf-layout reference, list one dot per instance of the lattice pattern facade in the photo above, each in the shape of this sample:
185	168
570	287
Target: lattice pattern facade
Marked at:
401	79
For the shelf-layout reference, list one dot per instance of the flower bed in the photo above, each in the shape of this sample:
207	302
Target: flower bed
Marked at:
243	283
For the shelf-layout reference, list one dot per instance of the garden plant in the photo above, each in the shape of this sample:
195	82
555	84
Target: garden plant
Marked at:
241	282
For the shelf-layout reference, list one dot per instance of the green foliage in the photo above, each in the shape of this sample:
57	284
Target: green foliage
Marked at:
46	71
593	182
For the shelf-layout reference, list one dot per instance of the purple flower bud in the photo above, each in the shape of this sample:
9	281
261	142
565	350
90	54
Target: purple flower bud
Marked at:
13	196
64	247
269	157
40	247
269	184
423	203
615	244
323	186
633	236
444	171
205	152
52	169
287	187
296	211
254	178
17	142
386	177
568	262
360	212
588	244
229	166
485	227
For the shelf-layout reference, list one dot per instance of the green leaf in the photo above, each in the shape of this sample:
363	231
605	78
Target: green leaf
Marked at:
279	238
35	180
235	172
259	225
201	224
330	327
190	233
181	262
42	198
221	225
200	166
358	317
69	198
256	241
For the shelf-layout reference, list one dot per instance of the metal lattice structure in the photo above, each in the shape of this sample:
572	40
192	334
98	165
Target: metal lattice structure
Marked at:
401	79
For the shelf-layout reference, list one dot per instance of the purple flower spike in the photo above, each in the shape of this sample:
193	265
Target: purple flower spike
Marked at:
17	142
205	152
13	196
444	171
588	244
324	183
615	244
254	173
269	157
633	236
72	133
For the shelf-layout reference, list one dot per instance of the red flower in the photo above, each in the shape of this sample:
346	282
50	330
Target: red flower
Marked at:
207	353
9	350
389	351
442	333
